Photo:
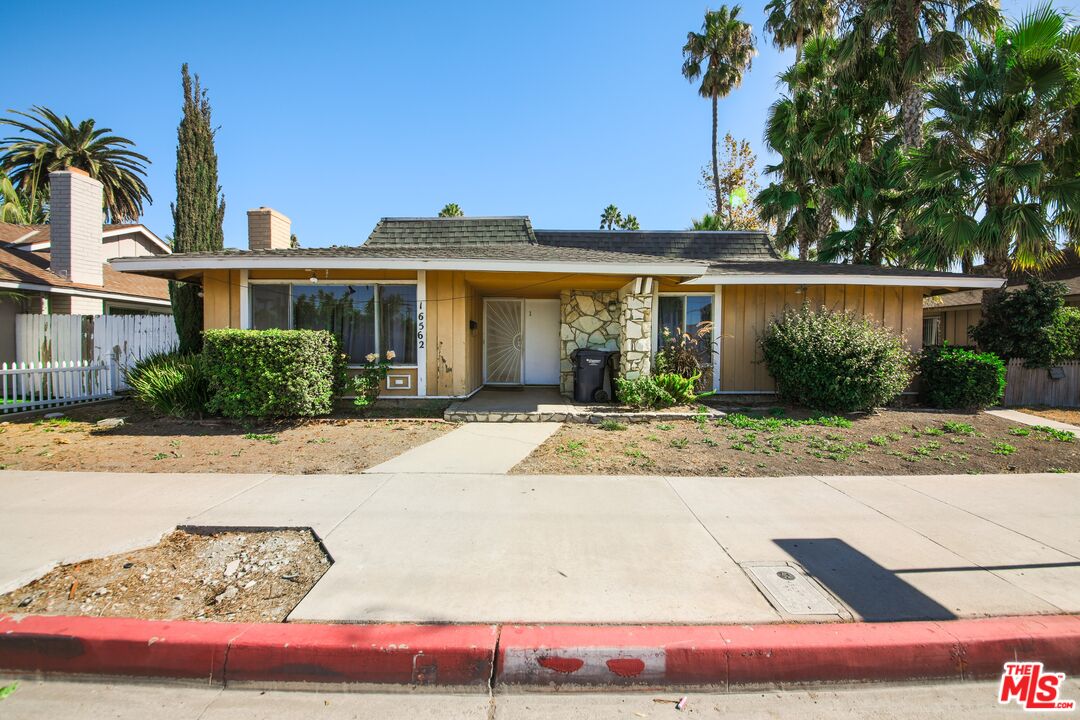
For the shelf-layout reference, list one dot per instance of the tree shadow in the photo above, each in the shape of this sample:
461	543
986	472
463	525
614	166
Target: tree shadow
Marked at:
872	591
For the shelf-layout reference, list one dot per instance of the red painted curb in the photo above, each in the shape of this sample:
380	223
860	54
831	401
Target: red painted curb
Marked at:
229	652
771	654
462	655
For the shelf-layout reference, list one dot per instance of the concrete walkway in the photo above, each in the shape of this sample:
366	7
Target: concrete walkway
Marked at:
52	699
1026	419
466	547
472	448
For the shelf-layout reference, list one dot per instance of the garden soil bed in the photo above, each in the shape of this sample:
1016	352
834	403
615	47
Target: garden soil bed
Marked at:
229	576
889	442
150	443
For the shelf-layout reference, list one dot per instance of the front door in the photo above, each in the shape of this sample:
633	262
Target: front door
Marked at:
503	341
542	342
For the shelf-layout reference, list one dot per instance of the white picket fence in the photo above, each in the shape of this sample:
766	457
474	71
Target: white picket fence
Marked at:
116	341
33	386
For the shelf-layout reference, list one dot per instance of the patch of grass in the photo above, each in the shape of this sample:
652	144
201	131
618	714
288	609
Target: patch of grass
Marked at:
160	456
611	425
1002	448
665	426
572	448
680	443
1019	431
829	449
773	423
933	432
264	437
926	449
957	428
653	438
1056	470
318	441
52	424
1059	435
710	442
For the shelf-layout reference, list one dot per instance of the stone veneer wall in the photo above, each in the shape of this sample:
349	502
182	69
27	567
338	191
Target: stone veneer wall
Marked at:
586	322
635	322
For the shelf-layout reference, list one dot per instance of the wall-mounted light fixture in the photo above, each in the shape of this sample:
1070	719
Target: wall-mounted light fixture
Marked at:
613	306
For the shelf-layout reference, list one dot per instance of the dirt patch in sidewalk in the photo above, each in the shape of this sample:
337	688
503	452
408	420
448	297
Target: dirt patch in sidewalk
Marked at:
228	576
151	443
786	441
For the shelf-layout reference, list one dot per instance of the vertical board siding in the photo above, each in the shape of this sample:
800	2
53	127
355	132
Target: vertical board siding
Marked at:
454	365
748	310
1034	386
117	341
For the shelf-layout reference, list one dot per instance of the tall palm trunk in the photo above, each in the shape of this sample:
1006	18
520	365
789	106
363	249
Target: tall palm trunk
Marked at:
905	20
716	159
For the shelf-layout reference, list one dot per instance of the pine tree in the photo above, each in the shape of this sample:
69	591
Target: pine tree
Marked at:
199	209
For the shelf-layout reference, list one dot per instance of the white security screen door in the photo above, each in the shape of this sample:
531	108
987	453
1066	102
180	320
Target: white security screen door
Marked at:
503	341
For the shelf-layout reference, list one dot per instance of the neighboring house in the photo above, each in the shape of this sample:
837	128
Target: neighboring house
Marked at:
947	317
473	301
62	267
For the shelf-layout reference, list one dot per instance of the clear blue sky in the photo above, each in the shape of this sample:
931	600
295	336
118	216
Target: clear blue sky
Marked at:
340	113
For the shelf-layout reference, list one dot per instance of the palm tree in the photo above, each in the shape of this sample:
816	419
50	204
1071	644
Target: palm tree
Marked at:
719	55
921	44
630	222
56	143
610	218
998	175
791	22
16	208
708	221
451	210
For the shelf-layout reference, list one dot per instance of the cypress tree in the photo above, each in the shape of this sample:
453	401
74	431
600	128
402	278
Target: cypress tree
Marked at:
199	209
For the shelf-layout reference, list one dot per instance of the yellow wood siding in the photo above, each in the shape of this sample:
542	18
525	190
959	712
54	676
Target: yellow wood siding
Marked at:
453	357
221	299
955	323
748	309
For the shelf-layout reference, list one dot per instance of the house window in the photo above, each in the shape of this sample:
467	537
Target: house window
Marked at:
931	331
690	315
366	318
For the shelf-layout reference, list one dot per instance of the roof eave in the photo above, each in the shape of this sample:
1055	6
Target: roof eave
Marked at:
952	283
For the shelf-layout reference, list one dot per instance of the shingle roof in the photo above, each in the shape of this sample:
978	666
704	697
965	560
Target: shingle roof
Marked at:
23	266
1066	272
687	244
801	267
459	231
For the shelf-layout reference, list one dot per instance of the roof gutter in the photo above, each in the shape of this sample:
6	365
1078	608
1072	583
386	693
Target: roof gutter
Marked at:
79	292
150	265
960	281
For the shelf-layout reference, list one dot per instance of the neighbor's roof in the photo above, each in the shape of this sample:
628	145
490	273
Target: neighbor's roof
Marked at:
1066	272
511	244
23	269
38	237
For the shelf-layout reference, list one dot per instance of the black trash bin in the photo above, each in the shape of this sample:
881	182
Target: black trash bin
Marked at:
593	375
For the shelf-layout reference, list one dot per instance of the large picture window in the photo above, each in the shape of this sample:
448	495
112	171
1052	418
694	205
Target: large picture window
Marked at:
689	314
366	318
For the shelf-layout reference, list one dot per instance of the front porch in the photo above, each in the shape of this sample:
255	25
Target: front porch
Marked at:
547	404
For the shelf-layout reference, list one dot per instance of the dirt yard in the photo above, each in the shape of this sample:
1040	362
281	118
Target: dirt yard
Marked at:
781	442
231	576
1065	415
148	443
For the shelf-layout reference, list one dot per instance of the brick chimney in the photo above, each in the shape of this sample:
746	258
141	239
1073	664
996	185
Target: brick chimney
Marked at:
268	230
75	217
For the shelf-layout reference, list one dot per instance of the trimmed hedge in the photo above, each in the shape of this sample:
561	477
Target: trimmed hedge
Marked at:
271	373
953	377
835	361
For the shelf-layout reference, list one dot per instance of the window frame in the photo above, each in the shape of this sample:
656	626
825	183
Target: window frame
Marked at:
657	329
345	281
939	321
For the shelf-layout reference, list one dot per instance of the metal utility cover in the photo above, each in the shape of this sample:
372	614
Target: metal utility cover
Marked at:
789	588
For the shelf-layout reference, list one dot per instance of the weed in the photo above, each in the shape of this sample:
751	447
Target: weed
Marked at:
160	456
958	441
680	443
879	440
1002	448
829	449
635	452
957	428
894	436
1059	435
1056	470
933	432
1019	431
52	423
174	443
6	690
265	437
710	442
926	449
653	438
772	424
573	448
318	441
665	426
611	425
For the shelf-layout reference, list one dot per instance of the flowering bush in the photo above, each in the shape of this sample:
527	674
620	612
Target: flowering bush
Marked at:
369	380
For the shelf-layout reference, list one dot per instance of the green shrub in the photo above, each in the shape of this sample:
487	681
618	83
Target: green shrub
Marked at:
656	391
170	383
835	361
953	377
271	373
1033	324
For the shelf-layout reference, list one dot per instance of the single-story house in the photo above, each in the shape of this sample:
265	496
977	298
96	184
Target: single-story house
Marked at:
947	317
474	301
63	267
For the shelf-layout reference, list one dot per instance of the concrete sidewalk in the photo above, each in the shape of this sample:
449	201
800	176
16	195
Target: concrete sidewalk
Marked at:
472	448
551	549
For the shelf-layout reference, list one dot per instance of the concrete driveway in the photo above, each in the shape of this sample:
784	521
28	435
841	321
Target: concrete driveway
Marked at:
494	548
